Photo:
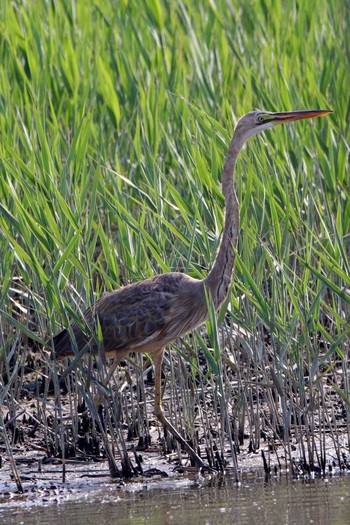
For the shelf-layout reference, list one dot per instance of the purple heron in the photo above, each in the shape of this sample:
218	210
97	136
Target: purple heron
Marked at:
146	316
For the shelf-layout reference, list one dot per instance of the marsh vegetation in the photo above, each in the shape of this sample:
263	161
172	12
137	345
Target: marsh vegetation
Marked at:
114	123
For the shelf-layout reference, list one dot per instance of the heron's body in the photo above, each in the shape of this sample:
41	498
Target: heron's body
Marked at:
142	317
146	316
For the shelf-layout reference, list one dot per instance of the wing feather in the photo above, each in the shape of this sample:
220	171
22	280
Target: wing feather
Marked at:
131	317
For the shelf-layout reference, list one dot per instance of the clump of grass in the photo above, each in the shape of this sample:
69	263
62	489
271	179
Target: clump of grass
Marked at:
114	124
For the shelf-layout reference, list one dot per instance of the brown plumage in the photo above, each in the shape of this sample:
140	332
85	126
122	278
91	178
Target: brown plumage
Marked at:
141	317
146	316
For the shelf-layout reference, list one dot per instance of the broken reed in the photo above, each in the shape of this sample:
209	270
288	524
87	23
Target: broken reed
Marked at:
111	158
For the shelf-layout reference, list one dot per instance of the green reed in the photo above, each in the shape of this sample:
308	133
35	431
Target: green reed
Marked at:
114	124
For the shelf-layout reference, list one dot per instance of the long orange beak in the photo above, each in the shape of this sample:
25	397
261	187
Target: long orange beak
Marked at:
290	116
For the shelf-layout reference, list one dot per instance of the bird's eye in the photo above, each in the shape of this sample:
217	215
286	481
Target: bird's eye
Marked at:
260	119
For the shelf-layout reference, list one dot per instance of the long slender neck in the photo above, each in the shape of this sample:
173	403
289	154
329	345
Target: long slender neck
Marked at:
219	279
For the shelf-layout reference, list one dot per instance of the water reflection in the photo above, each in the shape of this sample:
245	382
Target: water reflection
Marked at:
253	502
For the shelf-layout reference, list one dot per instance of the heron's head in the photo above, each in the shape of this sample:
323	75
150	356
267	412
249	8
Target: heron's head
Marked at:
257	121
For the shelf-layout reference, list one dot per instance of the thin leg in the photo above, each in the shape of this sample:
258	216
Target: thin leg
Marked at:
158	410
113	368
98	399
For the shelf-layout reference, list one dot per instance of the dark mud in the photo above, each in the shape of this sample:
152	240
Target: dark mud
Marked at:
39	417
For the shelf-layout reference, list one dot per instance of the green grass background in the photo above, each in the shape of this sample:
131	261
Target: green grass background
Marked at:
115	117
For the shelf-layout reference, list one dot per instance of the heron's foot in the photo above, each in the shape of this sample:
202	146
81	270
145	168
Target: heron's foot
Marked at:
203	466
207	468
197	460
199	467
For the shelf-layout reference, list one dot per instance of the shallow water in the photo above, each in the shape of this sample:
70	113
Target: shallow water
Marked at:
253	501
